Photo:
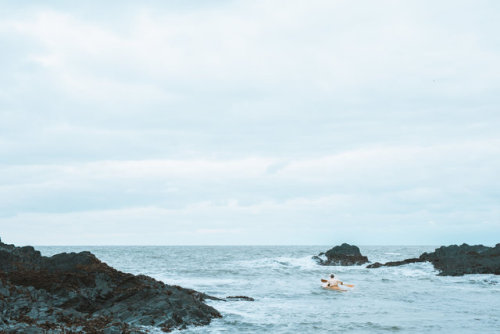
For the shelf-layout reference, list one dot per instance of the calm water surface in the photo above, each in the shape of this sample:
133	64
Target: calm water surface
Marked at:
285	283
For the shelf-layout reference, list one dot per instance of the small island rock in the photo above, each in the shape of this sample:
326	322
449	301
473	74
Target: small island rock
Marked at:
343	255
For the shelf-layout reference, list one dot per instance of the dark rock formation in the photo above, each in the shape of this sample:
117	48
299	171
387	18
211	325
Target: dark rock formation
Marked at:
343	255
458	260
76	292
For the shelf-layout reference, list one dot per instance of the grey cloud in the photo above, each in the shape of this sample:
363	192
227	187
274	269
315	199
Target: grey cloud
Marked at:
389	108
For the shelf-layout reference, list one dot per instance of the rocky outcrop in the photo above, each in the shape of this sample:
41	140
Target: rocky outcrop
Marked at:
76	292
394	263
458	260
241	298
343	255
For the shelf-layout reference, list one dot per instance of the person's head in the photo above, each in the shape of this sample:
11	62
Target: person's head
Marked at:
332	275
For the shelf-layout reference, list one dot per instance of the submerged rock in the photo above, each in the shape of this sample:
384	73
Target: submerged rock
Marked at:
343	255
75	292
394	263
457	260
245	298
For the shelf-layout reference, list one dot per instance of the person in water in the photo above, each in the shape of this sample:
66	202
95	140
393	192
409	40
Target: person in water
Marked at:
333	281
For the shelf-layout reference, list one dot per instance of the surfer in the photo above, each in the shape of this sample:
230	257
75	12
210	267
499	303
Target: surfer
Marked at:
333	284
333	281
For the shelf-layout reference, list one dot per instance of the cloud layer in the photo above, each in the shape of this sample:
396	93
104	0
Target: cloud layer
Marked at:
250	122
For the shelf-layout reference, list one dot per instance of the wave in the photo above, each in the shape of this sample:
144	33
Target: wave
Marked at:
280	262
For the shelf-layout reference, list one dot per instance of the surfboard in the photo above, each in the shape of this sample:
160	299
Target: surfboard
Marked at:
348	285
335	288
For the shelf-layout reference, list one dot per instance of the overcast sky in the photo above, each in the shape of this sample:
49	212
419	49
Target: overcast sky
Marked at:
249	122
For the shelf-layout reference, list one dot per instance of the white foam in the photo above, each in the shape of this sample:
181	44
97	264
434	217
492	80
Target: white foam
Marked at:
302	263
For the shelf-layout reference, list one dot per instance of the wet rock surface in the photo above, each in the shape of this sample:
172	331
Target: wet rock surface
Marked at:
343	255
394	263
241	298
75	292
457	260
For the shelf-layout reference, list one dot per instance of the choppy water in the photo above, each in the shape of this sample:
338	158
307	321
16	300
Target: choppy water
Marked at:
286	285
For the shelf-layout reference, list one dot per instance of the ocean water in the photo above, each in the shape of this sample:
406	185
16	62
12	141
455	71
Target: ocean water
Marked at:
286	285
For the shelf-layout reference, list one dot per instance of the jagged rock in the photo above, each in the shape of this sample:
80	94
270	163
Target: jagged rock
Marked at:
458	260
76	292
343	255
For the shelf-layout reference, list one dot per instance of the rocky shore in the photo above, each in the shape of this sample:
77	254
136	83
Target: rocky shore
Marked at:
343	255
457	260
75	292
448	260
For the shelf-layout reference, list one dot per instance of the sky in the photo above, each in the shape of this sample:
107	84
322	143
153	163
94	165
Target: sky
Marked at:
249	122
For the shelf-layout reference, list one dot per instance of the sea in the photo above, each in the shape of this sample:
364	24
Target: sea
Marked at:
285	283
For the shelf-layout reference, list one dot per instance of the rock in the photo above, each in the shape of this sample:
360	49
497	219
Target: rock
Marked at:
76	292
375	265
343	255
460	260
245	298
457	260
394	263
